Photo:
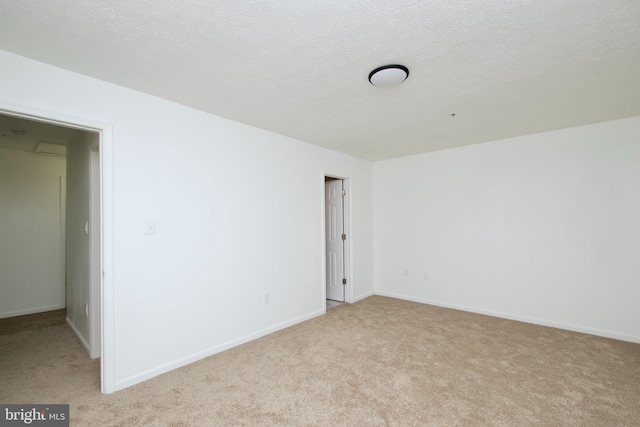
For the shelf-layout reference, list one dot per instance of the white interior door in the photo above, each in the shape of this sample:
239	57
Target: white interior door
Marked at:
334	229
63	242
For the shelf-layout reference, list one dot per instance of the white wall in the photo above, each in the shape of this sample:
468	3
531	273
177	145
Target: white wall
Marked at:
238	213
31	259
542	228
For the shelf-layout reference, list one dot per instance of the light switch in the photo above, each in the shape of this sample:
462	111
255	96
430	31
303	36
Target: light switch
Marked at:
150	226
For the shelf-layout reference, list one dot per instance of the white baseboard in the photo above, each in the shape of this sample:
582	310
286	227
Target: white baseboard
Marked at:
148	374
526	319
363	296
84	343
30	311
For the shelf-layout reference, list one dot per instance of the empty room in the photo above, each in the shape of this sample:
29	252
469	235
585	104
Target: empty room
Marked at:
331	213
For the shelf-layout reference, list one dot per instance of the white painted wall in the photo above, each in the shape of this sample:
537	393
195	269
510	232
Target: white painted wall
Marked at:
543	228
31	260
238	213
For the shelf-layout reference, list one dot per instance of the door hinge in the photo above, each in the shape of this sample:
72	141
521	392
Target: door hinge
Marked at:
344	281
343	192
344	237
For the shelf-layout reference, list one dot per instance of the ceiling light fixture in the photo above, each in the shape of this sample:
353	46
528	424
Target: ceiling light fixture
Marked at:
388	75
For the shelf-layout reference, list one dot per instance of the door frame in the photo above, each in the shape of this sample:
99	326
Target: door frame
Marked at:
348	249
106	202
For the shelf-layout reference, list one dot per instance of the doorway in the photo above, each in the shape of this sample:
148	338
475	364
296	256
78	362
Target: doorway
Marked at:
82	247
51	178
337	240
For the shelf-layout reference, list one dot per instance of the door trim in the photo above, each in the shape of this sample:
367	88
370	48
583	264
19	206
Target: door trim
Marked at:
105	132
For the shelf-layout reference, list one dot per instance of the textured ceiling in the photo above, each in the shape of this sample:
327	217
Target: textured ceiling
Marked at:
300	68
26	135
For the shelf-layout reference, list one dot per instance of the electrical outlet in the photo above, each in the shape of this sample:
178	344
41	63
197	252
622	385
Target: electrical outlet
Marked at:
266	298
426	277
405	272
86	310
150	227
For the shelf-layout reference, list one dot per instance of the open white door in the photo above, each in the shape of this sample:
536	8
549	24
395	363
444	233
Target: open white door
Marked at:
334	229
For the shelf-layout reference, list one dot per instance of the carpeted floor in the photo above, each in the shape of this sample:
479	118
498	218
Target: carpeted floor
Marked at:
379	362
32	322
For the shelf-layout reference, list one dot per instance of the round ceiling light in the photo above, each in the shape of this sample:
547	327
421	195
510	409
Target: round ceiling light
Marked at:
388	75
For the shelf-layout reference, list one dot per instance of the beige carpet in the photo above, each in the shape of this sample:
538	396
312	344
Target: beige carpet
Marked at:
379	362
12	325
